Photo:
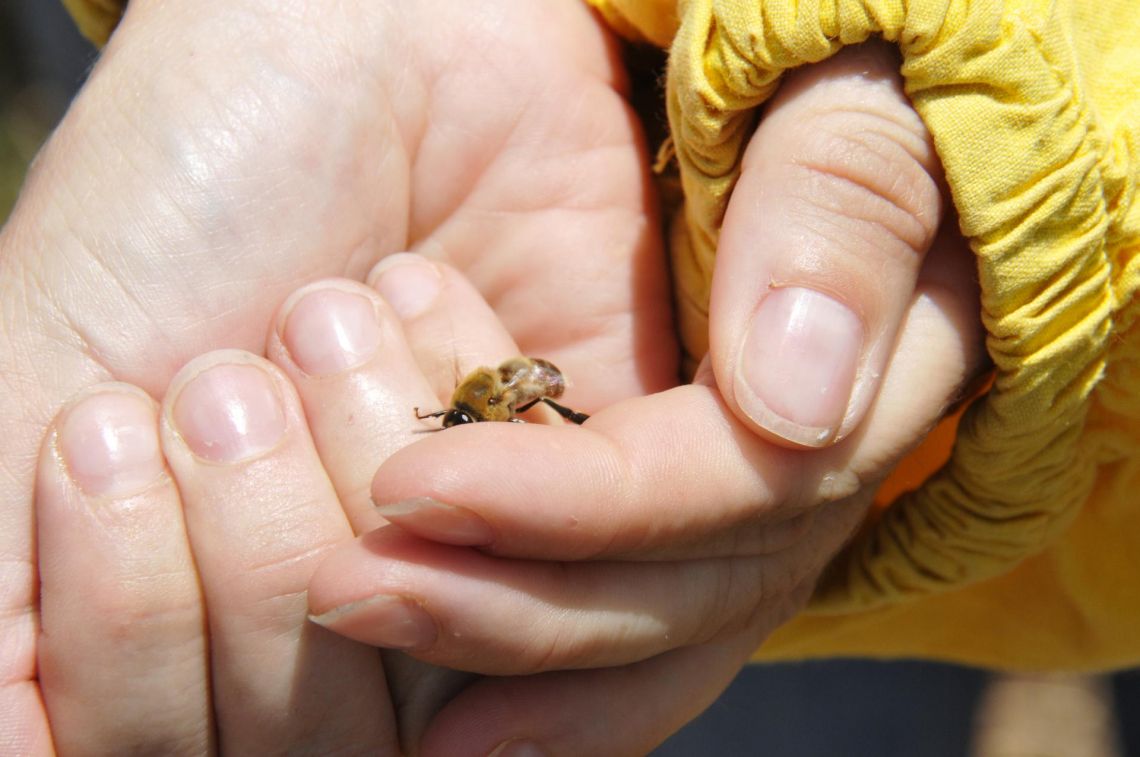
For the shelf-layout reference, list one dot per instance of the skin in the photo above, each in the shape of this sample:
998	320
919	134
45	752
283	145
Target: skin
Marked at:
258	152
237	169
576	530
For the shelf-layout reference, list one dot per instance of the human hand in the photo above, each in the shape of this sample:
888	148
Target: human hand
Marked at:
266	154
676	520
173	609
223	154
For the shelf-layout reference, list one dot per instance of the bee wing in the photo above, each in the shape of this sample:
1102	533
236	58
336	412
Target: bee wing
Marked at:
515	385
514	372
524	379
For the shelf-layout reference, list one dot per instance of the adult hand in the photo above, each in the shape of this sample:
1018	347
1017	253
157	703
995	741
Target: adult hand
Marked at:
173	618
224	153
172	613
845	315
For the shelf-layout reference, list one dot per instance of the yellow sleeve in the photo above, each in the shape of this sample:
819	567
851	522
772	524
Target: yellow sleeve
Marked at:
1023	549
653	21
96	19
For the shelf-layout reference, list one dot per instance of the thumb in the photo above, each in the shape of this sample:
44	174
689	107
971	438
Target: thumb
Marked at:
837	204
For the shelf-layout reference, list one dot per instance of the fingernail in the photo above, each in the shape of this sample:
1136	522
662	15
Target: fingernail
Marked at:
109	443
517	748
385	621
229	413
429	519
330	330
796	368
407	282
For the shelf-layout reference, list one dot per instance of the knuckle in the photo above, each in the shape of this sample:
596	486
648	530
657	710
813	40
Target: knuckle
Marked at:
554	643
545	652
782	534
144	617
764	535
771	610
792	605
559	643
738	587
271	586
870	169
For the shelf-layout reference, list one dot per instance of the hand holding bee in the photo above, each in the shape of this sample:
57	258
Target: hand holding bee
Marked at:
270	462
668	512
688	524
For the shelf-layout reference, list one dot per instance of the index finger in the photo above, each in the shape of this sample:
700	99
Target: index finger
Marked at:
629	483
670	475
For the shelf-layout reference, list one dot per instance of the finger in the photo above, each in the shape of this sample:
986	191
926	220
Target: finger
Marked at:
360	382
360	378
455	332
837	203
607	489
344	351
611	712
575	615
261	514
677	475
450	328
123	659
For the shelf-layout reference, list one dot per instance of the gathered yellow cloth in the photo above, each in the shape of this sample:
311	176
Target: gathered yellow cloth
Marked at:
1022	550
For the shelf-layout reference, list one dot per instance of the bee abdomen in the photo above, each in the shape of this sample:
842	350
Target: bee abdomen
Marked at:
530	378
548	375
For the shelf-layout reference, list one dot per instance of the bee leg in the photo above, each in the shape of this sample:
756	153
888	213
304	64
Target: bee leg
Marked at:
527	406
571	415
437	414
565	412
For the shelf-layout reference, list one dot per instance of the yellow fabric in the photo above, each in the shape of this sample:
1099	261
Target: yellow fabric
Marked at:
96	19
652	21
1024	550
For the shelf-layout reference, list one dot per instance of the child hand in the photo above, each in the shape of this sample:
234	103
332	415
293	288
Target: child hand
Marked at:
697	515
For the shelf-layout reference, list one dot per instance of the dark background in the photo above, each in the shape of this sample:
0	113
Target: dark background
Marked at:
845	708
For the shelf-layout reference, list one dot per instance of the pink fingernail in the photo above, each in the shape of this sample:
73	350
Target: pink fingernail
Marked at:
797	366
407	282
429	519
109	443
229	413
330	330
385	621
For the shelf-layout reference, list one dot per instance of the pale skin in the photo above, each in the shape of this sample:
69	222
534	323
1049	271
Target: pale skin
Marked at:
224	154
244	194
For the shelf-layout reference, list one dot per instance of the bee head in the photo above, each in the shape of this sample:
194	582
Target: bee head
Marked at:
456	418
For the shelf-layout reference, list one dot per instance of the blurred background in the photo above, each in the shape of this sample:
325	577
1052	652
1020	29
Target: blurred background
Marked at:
43	61
845	708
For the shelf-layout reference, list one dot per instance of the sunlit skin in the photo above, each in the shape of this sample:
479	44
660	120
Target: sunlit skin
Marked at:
261	155
257	155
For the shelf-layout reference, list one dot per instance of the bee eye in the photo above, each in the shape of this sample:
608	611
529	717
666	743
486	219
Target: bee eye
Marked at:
456	418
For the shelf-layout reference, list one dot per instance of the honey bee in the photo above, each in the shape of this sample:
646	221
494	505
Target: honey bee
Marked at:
497	394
